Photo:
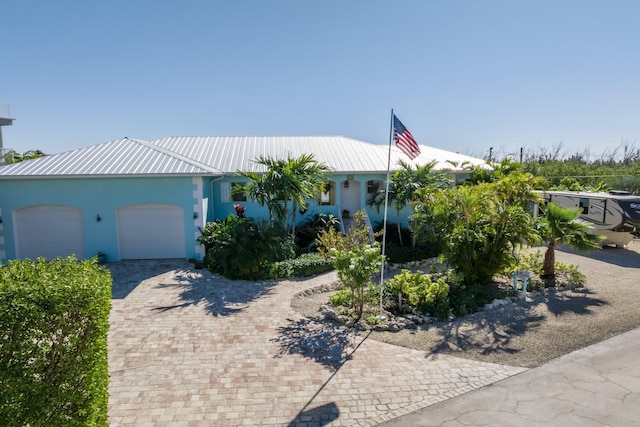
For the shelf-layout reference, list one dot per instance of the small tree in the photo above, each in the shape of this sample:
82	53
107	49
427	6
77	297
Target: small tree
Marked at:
359	236
561	225
355	268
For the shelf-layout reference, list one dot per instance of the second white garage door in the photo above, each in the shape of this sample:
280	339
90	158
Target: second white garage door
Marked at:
151	231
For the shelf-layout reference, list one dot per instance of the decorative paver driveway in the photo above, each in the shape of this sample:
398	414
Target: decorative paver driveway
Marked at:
187	347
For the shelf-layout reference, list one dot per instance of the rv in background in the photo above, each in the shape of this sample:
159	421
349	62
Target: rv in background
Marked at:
614	215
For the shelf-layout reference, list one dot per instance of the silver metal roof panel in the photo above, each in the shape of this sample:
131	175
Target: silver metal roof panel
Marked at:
217	155
122	157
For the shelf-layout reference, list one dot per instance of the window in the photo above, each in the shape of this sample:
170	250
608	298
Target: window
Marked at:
374	186
327	197
236	192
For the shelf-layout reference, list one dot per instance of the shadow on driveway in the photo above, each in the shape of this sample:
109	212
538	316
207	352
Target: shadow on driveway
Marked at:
218	295
127	275
318	341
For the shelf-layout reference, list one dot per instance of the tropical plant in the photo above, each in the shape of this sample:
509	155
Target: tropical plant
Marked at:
294	180
308	230
561	225
403	185
478	227
235	248
422	294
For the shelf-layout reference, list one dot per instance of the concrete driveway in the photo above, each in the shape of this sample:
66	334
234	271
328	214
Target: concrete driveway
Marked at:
189	348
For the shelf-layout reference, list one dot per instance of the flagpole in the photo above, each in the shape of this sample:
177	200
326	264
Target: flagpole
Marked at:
384	222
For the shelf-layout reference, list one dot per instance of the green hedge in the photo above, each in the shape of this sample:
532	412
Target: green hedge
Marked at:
54	320
304	266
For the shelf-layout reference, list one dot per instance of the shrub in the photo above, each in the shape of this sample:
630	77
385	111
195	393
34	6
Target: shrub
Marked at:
342	298
303	266
392	236
307	231
422	294
240	249
533	261
54	321
235	250
402	254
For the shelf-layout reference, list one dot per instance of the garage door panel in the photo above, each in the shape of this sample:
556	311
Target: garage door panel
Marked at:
49	231
151	231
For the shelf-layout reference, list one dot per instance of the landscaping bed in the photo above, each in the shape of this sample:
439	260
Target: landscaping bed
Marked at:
530	331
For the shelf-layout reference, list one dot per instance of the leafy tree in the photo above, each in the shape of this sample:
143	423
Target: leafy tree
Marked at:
355	269
14	157
561	225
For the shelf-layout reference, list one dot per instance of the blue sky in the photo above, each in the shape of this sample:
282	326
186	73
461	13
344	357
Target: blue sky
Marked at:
461	75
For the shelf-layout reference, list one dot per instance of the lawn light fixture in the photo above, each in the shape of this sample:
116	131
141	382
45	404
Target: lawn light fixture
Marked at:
98	219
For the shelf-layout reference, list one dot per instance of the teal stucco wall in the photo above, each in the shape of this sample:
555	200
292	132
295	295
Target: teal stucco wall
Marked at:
101	196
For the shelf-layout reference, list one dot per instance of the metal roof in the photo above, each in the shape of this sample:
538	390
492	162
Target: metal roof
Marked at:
123	157
342	154
217	155
233	153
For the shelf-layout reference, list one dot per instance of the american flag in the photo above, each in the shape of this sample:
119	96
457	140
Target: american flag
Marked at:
404	139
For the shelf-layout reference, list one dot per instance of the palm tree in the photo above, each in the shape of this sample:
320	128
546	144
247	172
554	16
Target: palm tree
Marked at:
305	177
561	225
403	185
295	179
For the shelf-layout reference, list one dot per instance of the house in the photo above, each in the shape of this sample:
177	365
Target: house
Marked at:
134	199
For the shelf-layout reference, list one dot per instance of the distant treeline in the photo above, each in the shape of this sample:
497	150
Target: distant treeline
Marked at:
614	169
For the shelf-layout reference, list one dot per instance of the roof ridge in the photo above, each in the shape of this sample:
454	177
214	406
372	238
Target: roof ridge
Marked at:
175	155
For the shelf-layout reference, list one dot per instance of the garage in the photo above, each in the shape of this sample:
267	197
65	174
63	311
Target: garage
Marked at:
151	231
48	231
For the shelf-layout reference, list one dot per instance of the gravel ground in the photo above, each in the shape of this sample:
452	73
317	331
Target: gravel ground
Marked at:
529	334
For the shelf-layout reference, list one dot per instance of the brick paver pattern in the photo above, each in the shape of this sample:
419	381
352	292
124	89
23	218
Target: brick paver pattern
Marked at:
190	348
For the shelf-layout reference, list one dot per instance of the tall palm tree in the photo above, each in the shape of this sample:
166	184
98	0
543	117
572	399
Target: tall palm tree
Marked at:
295	179
561	225
403	185
305	178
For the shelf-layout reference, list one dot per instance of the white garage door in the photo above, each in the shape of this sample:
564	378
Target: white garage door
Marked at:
49	231
151	231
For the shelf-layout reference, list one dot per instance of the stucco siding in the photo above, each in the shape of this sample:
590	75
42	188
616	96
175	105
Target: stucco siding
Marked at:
99	197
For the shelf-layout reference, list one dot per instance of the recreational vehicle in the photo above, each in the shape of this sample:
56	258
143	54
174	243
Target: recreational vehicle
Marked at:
614	215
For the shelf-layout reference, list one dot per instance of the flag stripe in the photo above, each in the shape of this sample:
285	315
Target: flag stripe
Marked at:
404	139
